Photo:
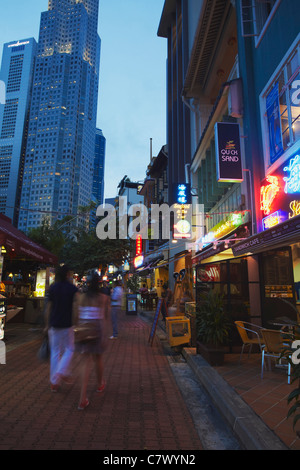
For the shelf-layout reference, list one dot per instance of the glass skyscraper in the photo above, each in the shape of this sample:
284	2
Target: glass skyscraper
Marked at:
99	165
16	73
59	160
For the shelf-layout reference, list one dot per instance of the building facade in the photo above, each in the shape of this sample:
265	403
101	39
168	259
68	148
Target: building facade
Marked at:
16	72
240	73
59	159
99	166
269	58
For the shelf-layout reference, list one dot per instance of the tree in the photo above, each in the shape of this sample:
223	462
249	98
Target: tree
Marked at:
50	236
88	252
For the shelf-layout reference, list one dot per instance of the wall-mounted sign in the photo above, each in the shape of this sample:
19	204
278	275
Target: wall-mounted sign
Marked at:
139	258
138	245
182	228
228	152
138	261
225	227
292	180
280	194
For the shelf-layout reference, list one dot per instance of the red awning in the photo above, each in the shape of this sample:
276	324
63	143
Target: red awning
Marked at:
16	241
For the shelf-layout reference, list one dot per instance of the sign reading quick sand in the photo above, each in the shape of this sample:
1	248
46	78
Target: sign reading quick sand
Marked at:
228	152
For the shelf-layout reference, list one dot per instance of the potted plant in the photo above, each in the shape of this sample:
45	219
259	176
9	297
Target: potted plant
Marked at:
213	326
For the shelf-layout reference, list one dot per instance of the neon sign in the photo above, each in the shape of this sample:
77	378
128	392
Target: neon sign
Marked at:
182	193
268	194
139	258
233	221
292	182
138	261
272	220
295	208
138	245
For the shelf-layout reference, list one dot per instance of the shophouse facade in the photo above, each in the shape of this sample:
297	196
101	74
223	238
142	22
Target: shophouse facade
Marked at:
239	65
174	26
269	60
250	250
155	269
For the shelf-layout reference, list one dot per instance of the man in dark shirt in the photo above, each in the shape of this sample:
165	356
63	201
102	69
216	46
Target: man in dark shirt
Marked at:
62	297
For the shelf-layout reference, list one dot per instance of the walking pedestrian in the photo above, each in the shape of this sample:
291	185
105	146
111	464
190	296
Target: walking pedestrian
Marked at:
93	307
116	303
62	296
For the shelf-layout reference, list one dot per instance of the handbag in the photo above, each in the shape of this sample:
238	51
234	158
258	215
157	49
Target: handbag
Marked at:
85	332
44	350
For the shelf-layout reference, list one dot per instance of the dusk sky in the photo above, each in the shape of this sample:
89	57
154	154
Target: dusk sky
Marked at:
132	87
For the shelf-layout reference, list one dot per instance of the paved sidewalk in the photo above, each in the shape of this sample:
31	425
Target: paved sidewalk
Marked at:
141	408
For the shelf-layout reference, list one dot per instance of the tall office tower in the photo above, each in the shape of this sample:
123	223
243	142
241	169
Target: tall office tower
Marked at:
59	160
16	73
99	164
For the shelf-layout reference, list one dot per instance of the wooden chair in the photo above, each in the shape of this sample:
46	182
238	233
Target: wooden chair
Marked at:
273	346
250	335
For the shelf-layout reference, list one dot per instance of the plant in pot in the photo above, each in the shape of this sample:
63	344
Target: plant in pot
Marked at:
213	326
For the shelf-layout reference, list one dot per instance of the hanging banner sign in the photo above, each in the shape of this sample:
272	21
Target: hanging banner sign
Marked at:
228	152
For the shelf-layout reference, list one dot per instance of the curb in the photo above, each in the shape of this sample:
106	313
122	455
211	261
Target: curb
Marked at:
251	431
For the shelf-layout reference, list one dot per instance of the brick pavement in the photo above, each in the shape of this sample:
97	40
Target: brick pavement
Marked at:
141	408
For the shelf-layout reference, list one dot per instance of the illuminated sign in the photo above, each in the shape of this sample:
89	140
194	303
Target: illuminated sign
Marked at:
295	208
182	193
292	182
268	194
272	220
183	216
225	227
278	194
139	258
138	261
228	152
138	245
18	44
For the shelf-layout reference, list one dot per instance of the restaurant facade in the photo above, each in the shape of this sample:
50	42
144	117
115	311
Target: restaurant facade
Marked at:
256	265
27	270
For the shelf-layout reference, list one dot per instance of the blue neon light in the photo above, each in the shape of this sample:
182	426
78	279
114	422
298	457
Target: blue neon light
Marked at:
292	182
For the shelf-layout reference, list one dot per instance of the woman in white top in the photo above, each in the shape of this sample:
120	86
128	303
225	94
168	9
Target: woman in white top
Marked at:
93	306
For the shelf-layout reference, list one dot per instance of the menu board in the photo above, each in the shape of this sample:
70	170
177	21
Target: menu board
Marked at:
284	291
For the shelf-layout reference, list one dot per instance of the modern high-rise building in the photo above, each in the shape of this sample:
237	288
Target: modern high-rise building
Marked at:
99	165
16	73
59	160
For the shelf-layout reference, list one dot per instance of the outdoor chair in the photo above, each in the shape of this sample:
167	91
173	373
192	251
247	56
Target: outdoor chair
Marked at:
273	347
250	335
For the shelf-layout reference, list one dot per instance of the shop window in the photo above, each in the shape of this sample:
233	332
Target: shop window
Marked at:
278	296
230	279
280	108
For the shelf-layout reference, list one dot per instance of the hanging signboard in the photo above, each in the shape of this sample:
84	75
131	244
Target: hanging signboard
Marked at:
182	193
228	152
